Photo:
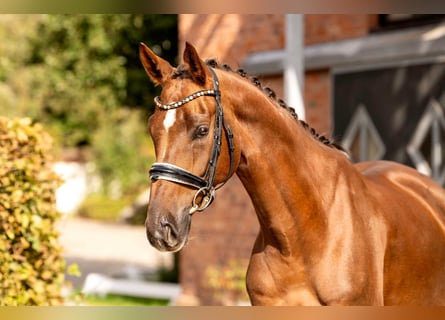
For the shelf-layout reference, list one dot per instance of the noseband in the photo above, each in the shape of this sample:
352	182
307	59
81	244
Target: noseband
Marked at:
206	191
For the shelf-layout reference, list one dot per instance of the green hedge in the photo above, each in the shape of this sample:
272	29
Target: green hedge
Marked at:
31	264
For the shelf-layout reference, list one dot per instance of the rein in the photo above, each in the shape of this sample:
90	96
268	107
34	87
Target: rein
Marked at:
175	174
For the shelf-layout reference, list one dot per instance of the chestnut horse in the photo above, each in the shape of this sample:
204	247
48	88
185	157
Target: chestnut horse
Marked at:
331	232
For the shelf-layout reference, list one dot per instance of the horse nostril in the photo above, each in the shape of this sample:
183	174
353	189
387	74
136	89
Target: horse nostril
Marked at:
170	234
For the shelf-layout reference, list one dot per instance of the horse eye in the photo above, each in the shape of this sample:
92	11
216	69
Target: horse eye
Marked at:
201	132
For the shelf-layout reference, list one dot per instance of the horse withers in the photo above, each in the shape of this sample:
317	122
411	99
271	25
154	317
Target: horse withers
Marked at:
331	232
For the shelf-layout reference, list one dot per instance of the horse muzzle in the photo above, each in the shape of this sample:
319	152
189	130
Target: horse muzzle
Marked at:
168	236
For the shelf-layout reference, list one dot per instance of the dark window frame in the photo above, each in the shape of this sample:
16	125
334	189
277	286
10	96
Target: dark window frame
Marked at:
401	21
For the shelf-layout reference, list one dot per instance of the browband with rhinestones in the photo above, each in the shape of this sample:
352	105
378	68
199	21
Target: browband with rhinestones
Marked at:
173	105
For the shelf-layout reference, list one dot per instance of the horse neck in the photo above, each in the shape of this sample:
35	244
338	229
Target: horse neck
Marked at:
290	176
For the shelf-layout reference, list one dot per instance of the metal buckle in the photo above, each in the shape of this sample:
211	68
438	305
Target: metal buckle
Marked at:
208	196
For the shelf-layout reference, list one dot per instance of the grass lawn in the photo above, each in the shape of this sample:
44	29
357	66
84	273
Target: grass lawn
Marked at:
118	300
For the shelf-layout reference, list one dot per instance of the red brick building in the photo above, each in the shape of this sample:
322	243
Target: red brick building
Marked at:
351	61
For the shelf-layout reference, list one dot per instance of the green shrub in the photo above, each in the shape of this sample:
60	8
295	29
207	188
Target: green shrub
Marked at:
31	263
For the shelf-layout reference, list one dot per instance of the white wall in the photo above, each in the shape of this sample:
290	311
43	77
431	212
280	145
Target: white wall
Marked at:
79	181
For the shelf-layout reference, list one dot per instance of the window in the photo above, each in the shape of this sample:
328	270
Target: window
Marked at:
426	146
397	21
362	139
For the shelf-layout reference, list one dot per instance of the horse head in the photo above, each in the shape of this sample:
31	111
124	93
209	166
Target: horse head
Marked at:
189	134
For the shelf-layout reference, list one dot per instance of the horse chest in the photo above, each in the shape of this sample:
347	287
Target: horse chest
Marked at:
275	280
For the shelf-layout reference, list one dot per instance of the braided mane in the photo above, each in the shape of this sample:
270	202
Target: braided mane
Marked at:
271	94
181	72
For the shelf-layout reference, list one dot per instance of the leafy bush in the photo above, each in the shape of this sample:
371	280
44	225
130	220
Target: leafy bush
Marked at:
81	77
31	264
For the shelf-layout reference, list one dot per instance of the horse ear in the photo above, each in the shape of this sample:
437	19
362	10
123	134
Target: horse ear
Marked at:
197	67
157	68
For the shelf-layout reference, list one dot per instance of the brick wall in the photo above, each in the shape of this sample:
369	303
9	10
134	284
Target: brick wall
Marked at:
317	100
321	28
227	229
230	37
222	233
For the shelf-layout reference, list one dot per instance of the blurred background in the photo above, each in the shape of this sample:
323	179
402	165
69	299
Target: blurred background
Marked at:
80	77
376	83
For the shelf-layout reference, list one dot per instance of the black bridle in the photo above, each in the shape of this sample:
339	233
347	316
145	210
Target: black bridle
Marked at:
204	185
